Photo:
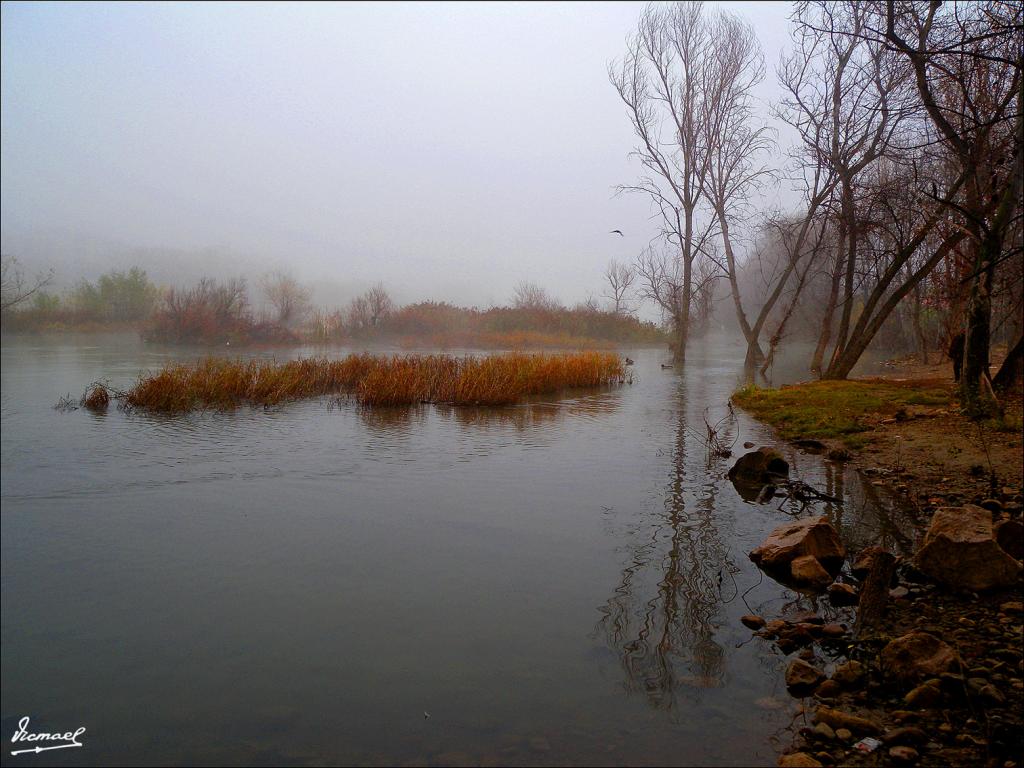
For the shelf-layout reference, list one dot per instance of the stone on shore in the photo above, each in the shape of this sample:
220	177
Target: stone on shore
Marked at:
798	760
917	655
839	719
802	678
840	594
850	675
960	551
813	536
752	622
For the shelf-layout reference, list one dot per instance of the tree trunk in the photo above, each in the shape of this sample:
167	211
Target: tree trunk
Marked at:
1012	369
874	593
826	321
871	321
922	342
978	333
683	320
850	226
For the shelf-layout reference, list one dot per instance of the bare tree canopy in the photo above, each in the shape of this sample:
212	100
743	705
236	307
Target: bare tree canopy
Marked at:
14	288
289	298
619	279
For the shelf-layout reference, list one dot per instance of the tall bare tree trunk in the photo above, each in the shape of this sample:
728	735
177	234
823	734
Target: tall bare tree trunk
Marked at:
830	309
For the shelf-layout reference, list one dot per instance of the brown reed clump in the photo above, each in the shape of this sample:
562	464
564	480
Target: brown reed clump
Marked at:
97	398
375	381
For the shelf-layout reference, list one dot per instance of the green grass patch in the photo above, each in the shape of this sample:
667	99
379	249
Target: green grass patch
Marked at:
839	409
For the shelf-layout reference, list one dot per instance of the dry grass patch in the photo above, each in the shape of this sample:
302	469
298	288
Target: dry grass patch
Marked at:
377	381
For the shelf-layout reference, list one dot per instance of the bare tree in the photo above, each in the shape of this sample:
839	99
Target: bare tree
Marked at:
620	278
370	309
969	73
736	161
527	295
661	280
289	297
14	289
669	81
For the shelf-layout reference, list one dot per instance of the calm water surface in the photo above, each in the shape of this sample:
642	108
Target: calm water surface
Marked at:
555	583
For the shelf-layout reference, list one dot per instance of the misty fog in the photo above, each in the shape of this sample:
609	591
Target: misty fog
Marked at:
448	151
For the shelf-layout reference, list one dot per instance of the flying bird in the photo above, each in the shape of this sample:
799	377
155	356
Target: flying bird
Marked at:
617	232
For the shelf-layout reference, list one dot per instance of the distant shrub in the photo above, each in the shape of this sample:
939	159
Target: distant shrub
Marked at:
211	312
116	296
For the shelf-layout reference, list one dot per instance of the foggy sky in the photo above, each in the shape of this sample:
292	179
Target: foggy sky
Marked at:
449	151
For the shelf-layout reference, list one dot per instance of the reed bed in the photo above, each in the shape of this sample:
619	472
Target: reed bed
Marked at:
222	384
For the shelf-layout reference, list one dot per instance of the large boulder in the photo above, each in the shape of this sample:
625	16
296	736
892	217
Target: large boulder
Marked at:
814	537
918	655
960	550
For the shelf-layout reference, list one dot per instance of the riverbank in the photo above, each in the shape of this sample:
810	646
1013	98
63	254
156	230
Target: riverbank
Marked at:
904	431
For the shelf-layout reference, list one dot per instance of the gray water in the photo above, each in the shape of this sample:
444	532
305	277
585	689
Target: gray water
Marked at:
553	583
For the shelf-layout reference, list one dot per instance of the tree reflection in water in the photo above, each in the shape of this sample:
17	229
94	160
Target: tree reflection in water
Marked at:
666	642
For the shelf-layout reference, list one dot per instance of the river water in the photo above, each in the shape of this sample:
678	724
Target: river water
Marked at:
553	583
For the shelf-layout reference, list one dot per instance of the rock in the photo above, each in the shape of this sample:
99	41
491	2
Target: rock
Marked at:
829	689
992	505
748	444
813	536
903	755
906	735
917	655
798	760
839	719
824	731
862	564
1012	606
849	675
1010	538
989	694
807	571
898	593
844	734
802	678
752	622
923	697
839	454
762	466
960	551
840	594
833	631
792	638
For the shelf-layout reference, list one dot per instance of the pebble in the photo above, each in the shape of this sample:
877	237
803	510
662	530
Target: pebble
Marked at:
752	622
904	755
906	735
923	696
798	760
844	734
833	630
991	695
